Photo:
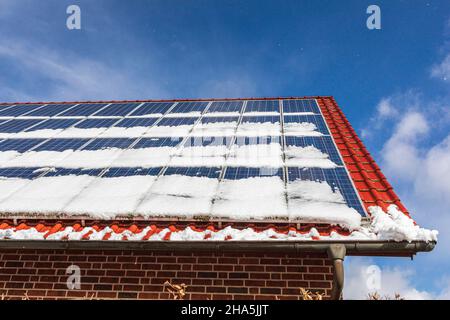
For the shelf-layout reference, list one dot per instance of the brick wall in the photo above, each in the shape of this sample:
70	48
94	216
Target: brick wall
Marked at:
141	274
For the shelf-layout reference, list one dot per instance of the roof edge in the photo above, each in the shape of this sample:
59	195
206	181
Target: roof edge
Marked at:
168	100
355	248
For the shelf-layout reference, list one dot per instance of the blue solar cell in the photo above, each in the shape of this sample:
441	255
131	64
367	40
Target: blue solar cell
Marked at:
4	106
61	144
194	171
136	122
324	144
107	143
226	106
54	124
170	122
207	141
18	125
192	106
241	141
219	119
117	109
337	178
19	109
316	119
96	123
50	110
57	172
23	173
304	105
152	108
236	173
261	119
125	172
83	110
157	142
262	106
19	145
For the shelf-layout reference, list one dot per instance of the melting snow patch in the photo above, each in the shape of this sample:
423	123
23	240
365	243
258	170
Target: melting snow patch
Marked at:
307	157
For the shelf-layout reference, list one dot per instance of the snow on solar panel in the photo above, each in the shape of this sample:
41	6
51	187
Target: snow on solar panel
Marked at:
313	148
138	159
337	179
215	126
298	124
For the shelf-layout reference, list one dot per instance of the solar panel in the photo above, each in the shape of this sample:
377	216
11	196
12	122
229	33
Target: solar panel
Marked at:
303	105
117	109
4	106
96	123
126	172
173	122
50	110
133	126
218	119
83	110
19	109
261	119
262	106
61	144
23	173
236	173
18	125
207	141
244	141
317	120
192	106
19	145
136	122
157	142
337	178
106	143
324	144
54	124
194	171
57	172
226	106
149	108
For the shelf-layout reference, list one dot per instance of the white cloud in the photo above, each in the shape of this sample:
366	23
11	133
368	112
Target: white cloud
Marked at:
385	109
70	77
400	153
442	69
433	178
358	282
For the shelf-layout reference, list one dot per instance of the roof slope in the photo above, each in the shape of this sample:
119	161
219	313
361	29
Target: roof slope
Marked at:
217	169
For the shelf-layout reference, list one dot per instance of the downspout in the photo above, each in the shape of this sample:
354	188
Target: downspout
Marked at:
336	253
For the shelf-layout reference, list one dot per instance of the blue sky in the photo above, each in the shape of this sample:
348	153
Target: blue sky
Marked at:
393	83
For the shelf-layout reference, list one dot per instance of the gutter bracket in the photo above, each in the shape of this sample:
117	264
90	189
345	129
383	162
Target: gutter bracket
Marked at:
336	253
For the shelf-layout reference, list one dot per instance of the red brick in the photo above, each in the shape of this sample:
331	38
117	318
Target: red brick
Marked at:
140	274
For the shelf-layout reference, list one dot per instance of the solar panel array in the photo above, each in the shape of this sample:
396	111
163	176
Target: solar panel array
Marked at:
37	140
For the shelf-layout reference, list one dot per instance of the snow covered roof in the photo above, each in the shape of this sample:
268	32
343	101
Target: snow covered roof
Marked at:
271	161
